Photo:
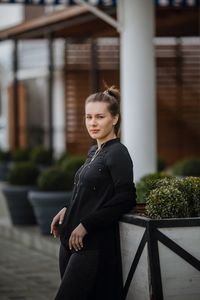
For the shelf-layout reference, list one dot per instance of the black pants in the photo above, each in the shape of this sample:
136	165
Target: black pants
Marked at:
78	273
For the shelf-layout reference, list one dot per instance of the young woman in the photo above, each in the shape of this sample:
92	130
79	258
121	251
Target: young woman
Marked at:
90	261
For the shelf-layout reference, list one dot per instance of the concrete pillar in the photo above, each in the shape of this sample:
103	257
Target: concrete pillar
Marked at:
59	109
59	113
137	71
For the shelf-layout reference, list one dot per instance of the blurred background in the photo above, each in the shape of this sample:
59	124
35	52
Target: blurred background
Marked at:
52	57
53	54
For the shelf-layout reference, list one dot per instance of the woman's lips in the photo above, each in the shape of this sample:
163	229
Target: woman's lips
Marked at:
94	130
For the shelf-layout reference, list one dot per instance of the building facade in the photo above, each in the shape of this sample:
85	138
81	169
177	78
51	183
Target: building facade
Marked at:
155	64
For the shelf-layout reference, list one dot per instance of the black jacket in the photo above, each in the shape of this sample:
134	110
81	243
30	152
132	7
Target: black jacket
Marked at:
103	191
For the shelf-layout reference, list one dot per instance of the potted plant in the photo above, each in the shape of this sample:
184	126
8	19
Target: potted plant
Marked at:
5	157
21	178
163	247
20	154
42	157
144	186
187	167
55	186
62	157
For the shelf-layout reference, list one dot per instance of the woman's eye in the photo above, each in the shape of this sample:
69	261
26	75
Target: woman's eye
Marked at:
97	117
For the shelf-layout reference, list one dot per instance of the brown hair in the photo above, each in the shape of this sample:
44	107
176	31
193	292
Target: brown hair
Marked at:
111	96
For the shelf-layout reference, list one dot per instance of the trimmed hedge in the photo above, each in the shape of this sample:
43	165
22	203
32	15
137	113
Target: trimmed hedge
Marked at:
187	167
23	173
174	198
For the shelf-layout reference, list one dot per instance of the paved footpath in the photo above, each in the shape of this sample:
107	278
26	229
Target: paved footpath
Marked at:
26	274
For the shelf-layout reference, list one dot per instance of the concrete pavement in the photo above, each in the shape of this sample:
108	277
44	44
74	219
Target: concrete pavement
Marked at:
28	260
26	273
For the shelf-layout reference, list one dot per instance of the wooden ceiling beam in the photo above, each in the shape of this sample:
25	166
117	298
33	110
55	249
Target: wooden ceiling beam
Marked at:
177	22
78	22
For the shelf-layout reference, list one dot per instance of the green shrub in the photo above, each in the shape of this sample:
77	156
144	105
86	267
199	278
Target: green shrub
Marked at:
72	164
20	155
189	187
62	158
167	181
41	156
23	173
60	177
187	167
166	202
53	179
5	155
146	184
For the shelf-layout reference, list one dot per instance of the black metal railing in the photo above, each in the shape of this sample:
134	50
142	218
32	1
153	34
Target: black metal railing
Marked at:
151	236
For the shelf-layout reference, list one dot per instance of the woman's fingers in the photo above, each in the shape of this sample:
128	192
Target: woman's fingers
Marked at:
72	242
58	219
53	225
54	229
75	241
76	238
61	218
80	240
55	232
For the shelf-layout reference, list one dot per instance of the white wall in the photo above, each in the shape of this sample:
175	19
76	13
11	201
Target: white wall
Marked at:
10	15
33	70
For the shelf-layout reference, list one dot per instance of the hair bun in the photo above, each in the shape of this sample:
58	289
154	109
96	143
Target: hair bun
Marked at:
112	91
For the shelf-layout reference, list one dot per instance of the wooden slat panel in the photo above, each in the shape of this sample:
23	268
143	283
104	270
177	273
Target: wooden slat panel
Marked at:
11	118
178	100
22	117
78	82
23	138
77	89
178	93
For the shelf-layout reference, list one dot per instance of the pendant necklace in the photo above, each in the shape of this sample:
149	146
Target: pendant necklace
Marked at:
96	153
93	157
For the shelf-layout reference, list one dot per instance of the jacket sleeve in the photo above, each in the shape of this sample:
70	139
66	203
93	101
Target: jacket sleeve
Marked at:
120	167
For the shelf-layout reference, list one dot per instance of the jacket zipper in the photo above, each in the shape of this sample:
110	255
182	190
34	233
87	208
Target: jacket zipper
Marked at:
94	156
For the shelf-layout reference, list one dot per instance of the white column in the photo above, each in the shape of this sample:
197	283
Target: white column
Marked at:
138	84
59	113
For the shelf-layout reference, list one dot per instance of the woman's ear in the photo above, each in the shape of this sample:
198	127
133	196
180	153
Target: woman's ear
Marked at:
115	120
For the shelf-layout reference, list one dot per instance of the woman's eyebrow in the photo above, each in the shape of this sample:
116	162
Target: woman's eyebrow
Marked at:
98	114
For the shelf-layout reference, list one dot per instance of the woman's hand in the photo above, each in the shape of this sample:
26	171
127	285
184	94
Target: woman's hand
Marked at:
76	238
58	219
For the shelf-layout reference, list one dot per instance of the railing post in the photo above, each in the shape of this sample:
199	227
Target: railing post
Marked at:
154	261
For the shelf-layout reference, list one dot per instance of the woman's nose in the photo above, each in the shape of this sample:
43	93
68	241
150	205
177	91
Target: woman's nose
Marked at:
93	122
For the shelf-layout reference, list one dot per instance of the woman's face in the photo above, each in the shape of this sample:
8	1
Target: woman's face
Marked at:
99	121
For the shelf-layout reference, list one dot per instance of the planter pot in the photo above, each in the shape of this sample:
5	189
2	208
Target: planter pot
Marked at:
4	168
20	210
46	205
160	258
